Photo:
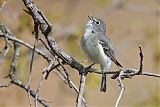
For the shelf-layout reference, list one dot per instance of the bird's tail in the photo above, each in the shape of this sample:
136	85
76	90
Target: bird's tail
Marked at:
103	83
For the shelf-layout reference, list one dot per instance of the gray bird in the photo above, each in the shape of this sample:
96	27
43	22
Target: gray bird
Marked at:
98	47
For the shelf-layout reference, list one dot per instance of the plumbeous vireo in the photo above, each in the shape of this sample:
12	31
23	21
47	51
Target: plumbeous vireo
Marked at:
98	47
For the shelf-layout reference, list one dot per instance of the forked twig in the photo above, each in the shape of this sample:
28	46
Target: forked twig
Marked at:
42	79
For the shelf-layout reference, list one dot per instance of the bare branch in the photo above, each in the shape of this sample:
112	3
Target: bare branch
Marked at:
46	29
19	83
4	52
5	85
6	33
141	61
119	79
36	25
42	79
71	84
76	89
97	71
48	72
81	90
3	4
11	37
150	74
46	46
32	93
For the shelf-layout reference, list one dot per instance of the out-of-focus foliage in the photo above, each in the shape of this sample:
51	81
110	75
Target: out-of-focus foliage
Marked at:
103	2
153	101
93	81
6	64
151	36
23	66
25	22
71	44
1	2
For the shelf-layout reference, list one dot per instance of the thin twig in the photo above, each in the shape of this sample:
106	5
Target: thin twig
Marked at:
42	79
11	37
97	71
66	73
48	72
119	79
151	74
45	45
46	29
129	72
4	52
141	60
18	82
5	85
3	4
36	24
81	90
32	93
64	78
76	89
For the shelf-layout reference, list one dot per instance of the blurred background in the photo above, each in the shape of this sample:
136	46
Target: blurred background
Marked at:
130	23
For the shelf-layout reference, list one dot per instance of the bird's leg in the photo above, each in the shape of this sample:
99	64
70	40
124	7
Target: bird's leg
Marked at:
89	67
103	83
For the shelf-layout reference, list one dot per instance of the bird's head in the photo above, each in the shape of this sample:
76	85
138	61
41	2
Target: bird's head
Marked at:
96	25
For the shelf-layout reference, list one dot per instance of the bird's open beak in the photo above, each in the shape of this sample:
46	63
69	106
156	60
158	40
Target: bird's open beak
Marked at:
90	17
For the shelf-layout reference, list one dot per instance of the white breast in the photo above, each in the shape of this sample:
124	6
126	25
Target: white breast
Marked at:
93	49
87	33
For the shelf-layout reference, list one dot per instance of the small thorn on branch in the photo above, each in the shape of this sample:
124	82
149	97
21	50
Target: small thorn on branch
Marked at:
27	11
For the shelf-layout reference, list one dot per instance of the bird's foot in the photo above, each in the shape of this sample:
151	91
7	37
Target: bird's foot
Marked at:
87	69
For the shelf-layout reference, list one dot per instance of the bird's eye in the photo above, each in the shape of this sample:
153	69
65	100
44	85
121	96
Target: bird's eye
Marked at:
97	22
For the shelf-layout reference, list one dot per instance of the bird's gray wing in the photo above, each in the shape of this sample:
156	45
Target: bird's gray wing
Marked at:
109	51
